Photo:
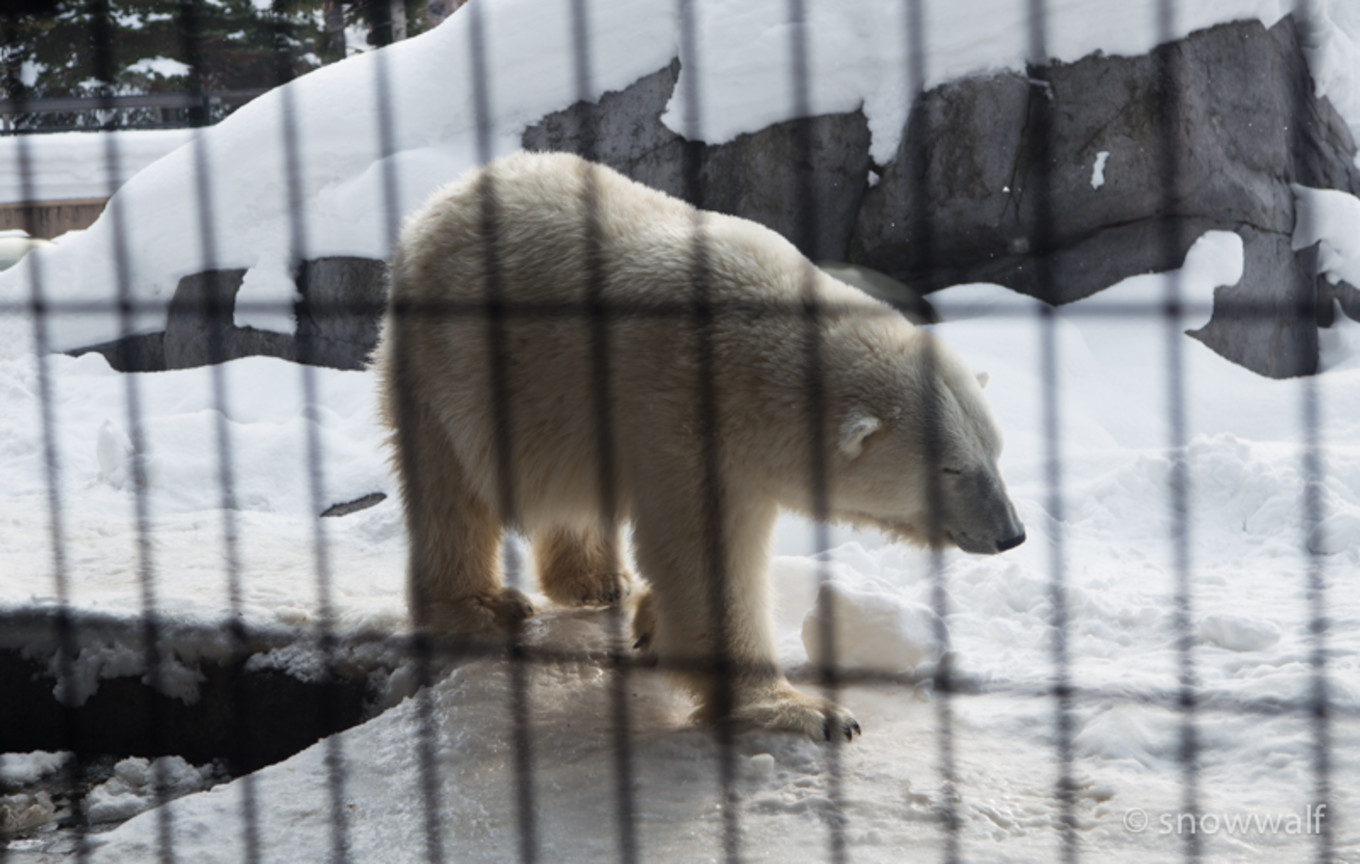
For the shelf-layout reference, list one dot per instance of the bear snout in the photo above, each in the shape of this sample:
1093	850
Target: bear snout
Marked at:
1003	545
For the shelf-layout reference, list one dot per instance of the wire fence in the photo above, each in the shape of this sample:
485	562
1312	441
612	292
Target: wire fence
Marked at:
700	314
143	111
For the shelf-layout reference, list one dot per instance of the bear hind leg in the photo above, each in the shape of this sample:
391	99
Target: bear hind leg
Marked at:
581	567
453	581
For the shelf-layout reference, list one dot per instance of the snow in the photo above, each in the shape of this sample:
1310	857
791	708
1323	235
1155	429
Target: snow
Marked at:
874	627
167	67
1328	217
74	165
21	769
133	787
1098	169
1251	543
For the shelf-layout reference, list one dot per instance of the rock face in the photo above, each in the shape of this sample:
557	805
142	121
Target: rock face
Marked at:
979	192
337	321
343	300
766	176
199	329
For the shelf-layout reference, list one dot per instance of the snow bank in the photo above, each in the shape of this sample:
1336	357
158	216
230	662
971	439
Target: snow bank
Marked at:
874	629
76	164
22	769
1330	218
137	784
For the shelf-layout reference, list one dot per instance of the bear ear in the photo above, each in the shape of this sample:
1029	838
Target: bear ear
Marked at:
855	430
983	378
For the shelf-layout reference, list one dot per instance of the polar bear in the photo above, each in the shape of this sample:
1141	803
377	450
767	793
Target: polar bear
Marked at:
566	351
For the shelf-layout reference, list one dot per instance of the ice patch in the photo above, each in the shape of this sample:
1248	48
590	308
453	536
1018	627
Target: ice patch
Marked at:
1146	734
874	629
1238	633
1335	534
760	767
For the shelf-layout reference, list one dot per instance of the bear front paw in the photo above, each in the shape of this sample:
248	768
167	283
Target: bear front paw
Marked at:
788	710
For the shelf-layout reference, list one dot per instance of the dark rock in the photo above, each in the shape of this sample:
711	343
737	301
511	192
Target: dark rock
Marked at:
623	130
341	310
1349	298
1344	294
1269	323
338	321
803	178
144	353
199	329
198	323
372	499
1242	125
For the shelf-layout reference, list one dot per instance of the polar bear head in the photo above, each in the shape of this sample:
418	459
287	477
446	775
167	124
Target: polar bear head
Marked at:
915	445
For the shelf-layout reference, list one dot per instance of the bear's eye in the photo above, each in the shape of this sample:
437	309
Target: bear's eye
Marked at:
951	470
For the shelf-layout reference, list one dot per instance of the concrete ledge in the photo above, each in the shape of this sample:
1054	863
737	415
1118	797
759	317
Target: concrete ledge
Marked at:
48	219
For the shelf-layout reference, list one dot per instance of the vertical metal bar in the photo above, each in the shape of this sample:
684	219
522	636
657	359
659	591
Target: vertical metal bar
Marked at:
1314	507
292	149
216	311
815	384
421	647
102	38
702	317
1041	96
1318	706
1167	66
64	621
598	314
916	150
499	360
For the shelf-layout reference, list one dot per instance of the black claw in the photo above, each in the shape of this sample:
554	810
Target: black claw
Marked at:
826	730
854	724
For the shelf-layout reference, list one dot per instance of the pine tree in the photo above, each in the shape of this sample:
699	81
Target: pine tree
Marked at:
77	48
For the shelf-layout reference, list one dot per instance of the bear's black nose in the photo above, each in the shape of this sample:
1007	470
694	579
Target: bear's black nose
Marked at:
1003	545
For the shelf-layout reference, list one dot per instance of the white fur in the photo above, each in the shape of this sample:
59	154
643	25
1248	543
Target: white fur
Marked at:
709	430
